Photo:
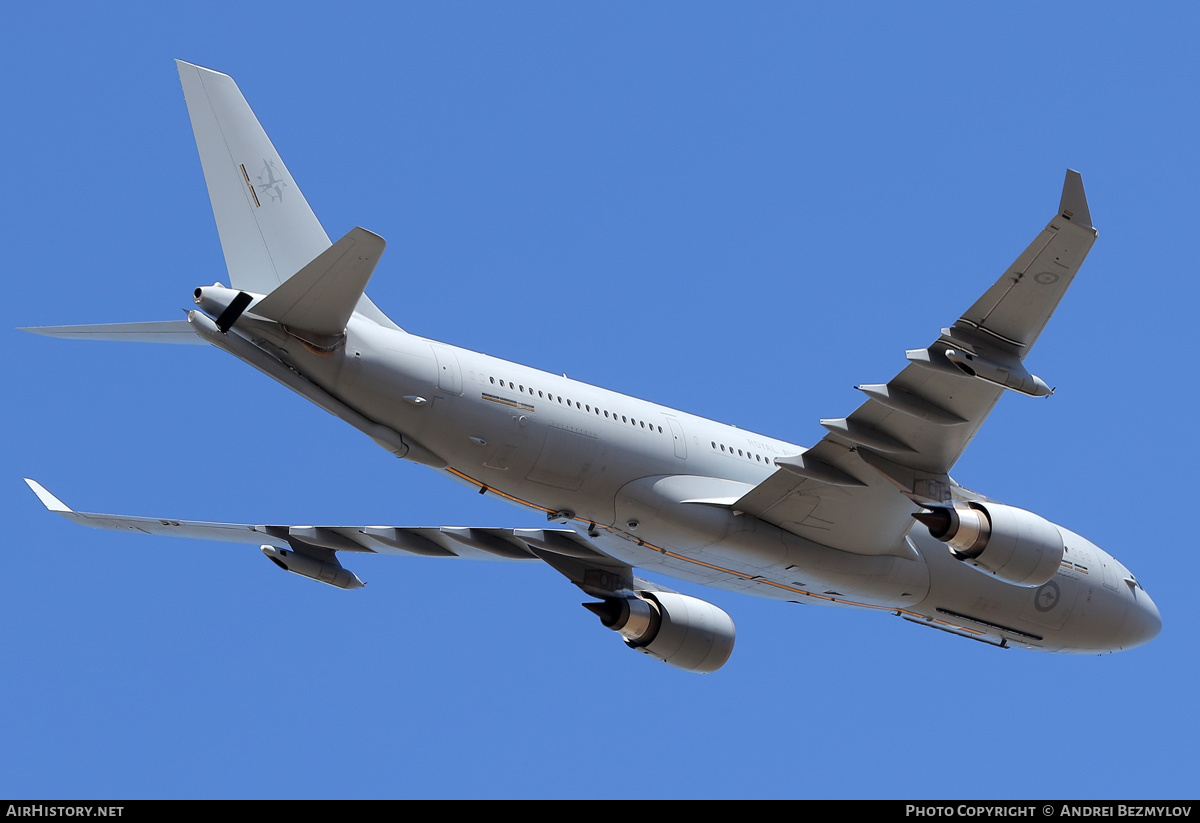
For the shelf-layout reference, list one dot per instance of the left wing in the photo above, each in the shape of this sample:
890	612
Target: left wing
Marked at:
682	631
856	489
563	549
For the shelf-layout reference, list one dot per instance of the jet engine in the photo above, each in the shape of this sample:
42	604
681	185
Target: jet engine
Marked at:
682	631
1015	545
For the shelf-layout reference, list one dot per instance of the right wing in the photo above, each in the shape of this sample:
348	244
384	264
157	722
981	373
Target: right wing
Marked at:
857	488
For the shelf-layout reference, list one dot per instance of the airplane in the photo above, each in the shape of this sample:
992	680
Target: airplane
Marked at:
867	518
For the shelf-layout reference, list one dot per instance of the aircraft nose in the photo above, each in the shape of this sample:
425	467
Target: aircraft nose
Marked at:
1143	622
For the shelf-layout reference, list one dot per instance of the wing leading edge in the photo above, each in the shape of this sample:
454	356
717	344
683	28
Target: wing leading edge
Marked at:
856	489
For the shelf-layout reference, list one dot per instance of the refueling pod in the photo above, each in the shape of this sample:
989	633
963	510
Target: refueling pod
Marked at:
307	566
1008	375
682	631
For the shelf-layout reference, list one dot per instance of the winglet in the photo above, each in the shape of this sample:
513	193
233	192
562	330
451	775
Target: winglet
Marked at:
1073	205
48	500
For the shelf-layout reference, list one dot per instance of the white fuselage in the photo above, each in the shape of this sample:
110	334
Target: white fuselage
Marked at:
653	488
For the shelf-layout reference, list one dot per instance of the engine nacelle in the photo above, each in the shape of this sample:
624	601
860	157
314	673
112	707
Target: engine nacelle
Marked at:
1015	545
681	631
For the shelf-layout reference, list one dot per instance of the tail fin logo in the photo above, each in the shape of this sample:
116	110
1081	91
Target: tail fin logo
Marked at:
270	182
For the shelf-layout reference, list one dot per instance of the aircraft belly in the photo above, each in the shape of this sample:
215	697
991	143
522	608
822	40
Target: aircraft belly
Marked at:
811	574
1032	615
702	539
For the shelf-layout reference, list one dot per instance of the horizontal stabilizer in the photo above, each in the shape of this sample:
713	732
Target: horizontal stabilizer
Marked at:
321	296
178	332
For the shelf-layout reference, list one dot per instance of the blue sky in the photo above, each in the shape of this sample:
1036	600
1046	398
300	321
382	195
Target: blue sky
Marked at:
738	212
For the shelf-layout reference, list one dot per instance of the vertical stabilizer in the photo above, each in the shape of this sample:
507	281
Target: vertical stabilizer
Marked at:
268	231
